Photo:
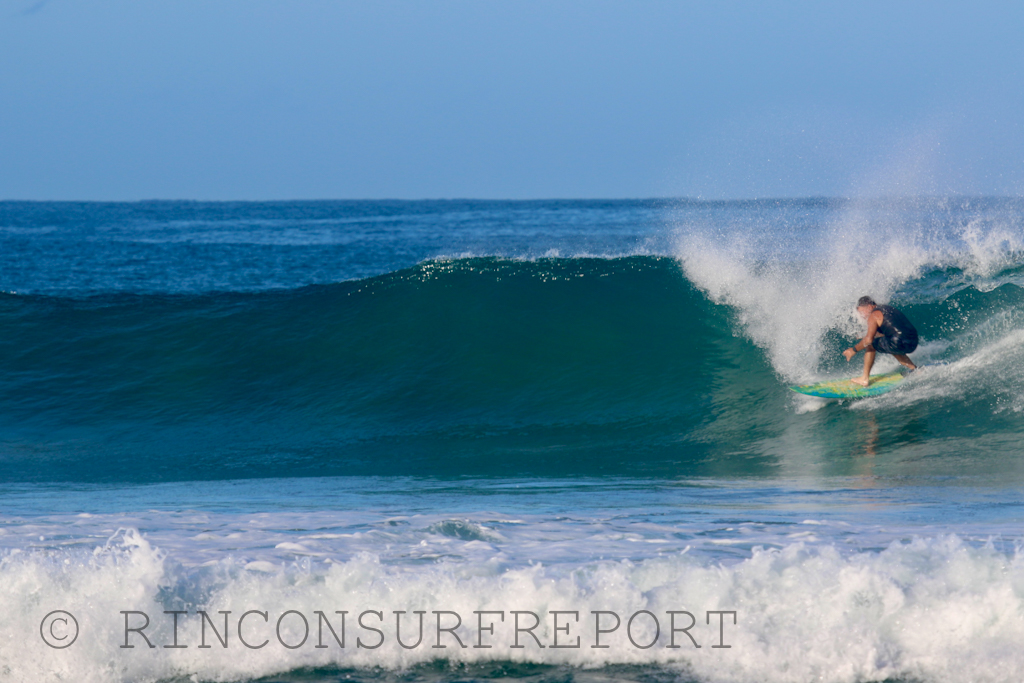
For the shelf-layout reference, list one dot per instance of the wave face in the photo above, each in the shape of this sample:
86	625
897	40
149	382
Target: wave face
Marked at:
481	366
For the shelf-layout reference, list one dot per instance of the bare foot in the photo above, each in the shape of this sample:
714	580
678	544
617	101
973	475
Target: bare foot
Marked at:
861	381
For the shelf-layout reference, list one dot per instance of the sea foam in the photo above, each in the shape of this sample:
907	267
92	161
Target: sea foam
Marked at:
935	609
789	286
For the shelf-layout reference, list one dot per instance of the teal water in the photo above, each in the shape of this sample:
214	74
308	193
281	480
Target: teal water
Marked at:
464	406
480	366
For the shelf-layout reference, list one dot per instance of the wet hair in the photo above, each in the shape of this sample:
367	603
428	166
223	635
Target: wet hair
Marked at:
865	301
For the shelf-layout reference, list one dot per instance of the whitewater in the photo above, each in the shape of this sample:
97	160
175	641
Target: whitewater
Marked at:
574	413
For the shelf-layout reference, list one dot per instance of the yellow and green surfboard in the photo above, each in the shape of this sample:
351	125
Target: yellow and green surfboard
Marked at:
844	388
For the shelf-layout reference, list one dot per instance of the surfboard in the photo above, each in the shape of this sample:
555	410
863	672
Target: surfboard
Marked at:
844	388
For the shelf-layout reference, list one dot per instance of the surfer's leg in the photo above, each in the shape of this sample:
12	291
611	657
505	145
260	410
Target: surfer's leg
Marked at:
904	360
869	360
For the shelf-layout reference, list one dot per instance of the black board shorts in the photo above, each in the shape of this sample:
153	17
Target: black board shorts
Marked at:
894	345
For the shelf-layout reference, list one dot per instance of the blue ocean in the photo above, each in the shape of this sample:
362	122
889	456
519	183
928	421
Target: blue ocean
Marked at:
542	441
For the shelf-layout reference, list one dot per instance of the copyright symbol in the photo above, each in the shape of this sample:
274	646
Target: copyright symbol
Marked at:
59	629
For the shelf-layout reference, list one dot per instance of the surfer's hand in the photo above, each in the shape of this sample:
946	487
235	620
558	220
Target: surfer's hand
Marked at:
849	353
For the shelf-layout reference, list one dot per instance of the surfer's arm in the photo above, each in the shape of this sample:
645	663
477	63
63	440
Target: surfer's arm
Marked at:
866	341
870	336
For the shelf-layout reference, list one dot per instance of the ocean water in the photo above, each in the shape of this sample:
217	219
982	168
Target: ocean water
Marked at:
313	424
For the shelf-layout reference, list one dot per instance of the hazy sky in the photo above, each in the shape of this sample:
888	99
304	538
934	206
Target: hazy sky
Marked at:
261	99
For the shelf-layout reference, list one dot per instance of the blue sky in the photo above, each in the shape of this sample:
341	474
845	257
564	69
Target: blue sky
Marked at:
260	99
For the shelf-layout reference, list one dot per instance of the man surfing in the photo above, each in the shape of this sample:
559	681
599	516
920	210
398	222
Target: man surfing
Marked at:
889	331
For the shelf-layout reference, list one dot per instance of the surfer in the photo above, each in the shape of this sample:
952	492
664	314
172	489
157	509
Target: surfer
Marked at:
889	331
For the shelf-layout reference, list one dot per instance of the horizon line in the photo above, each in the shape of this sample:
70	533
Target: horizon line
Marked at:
666	198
